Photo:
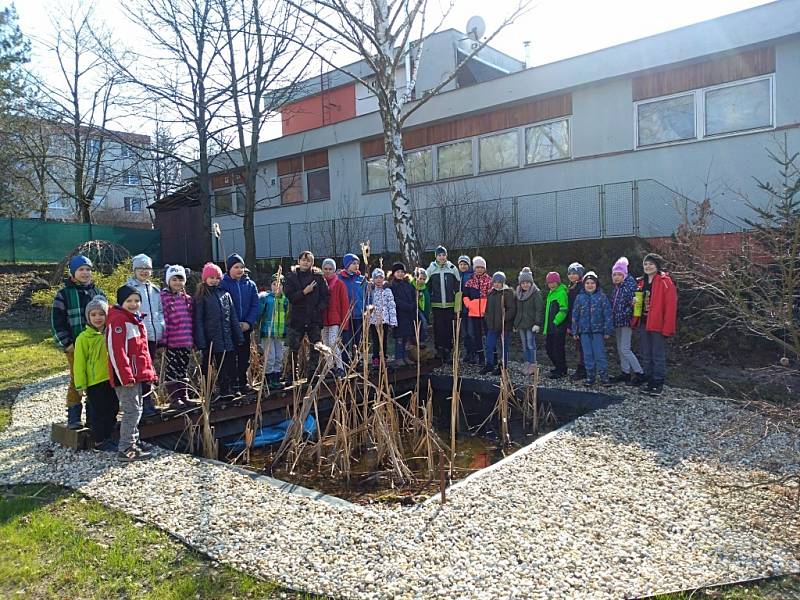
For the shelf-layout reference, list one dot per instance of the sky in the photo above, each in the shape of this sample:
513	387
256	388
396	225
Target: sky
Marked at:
556	29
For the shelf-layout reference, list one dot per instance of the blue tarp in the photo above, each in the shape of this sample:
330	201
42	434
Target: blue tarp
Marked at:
273	434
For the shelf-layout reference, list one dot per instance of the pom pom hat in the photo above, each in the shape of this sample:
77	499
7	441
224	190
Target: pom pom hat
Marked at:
621	266
211	270
553	277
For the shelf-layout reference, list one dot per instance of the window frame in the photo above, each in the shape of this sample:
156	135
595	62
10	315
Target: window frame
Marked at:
473	147
127	204
484	136
299	178
307	190
699	97
524	141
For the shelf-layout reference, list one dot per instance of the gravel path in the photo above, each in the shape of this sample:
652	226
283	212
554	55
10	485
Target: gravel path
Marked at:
625	502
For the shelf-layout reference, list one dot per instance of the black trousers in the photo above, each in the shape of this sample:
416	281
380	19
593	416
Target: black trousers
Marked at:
225	367
294	339
148	396
242	358
443	328
376	343
102	406
554	345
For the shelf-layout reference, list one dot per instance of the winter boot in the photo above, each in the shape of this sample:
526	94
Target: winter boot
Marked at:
621	378
604	380
580	373
148	405
74	416
175	394
654	388
636	380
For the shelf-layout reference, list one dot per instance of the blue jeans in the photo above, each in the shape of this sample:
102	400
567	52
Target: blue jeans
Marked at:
423	327
492	337
400	346
594	354
528	345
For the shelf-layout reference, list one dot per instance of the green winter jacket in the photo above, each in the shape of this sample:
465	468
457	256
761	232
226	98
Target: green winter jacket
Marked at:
530	308
91	359
556	307
499	304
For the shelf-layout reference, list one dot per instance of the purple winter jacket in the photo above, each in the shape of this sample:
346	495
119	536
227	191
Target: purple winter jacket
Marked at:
177	319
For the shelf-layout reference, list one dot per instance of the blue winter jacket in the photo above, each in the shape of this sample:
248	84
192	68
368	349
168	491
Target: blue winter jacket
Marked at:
592	314
356	286
245	297
622	302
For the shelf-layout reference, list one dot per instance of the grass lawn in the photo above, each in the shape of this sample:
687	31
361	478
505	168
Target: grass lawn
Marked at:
26	355
58	544
55	543
783	588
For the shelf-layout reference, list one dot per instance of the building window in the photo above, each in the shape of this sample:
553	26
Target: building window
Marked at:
131	178
669	120
419	165
126	151
497	152
546	142
377	174
223	203
738	107
94	146
455	160
292	189
133	205
319	185
59	202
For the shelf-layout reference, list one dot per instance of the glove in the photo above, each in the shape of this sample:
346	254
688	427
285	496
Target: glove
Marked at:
535	329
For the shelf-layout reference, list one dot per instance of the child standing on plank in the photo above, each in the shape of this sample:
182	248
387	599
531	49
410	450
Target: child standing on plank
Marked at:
592	325
130	367
335	320
216	330
530	312
622	300
308	298
244	293
356	285
153	316
178	339
575	274
464	265
91	375
423	293
444	282
556	307
656	310
382	315
501	308
273	329
405	301
68	320
477	290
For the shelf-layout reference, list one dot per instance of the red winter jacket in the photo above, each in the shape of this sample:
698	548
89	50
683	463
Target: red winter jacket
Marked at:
662	314
338	304
128	358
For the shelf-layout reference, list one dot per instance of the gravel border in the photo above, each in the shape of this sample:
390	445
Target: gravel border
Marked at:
625	502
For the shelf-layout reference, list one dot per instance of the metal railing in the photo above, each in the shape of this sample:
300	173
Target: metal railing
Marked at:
640	208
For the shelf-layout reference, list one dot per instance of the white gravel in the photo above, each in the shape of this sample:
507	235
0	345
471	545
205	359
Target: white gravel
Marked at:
627	502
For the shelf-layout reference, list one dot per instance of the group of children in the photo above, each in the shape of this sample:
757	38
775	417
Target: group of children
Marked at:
111	350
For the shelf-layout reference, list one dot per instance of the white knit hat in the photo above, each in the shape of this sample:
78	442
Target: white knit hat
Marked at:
173	271
478	261
378	273
142	261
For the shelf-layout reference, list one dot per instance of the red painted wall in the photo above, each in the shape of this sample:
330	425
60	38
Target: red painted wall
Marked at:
332	106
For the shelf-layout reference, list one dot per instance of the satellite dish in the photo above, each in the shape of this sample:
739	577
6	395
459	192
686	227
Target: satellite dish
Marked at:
476	28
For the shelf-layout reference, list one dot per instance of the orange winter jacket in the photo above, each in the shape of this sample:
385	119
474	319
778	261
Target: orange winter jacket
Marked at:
476	307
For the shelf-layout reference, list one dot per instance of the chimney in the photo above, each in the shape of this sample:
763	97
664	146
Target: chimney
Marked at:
527	49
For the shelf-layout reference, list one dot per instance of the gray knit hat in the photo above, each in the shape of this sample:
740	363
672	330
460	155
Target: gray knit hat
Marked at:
466	259
142	261
525	275
329	262
96	303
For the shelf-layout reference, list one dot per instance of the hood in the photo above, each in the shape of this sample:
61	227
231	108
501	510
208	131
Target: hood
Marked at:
525	295
92	332
445	267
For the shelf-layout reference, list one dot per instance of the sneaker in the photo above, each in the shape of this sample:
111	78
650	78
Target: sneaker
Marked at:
556	375
604	380
141	453
589	382
106	446
636	380
487	369
621	378
376	362
654	388
74	416
126	456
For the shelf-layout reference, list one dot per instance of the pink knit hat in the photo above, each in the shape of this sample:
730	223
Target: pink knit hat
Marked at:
211	270
621	266
553	277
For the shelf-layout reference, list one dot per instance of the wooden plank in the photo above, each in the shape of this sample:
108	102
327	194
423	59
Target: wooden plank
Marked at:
723	69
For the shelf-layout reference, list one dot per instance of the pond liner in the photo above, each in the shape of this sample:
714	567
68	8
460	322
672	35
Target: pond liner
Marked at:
272	434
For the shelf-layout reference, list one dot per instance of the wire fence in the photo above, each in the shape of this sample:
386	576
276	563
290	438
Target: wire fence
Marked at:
640	208
35	240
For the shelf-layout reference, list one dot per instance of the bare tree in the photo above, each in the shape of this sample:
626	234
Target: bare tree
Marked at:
261	56
381	33
161	170
754	286
179	75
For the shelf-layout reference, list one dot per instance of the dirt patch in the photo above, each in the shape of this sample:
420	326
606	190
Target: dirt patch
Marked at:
16	289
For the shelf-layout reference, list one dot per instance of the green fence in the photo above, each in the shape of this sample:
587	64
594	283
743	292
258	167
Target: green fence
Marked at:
34	240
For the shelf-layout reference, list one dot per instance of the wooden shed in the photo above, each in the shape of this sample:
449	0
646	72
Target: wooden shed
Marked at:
179	219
